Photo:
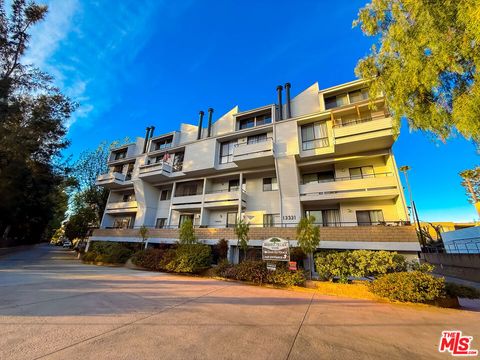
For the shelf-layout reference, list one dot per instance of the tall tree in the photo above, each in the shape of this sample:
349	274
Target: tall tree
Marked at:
32	132
471	183
426	62
242	228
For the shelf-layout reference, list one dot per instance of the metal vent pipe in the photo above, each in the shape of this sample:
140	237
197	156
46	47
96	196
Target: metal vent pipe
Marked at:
288	115
147	132
210	114
200	123
280	111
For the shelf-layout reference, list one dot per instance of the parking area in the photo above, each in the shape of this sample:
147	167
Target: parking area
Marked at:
54	307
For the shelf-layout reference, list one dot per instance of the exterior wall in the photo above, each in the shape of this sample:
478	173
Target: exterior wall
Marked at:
282	158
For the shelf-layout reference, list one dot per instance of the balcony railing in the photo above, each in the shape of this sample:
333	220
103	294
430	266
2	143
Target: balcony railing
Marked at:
346	178
111	176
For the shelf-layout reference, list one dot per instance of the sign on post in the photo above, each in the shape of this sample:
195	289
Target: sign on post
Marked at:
275	249
292	265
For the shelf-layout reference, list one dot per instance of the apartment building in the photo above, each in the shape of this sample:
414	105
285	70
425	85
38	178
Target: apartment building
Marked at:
324	152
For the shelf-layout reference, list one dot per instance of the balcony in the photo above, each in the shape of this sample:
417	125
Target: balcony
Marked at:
155	172
366	133
254	154
382	185
222	199
186	202
113	180
121	207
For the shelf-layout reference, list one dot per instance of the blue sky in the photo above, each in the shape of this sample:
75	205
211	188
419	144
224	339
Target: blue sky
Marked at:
133	63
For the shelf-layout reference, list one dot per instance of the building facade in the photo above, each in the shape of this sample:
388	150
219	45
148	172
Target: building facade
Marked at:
325	153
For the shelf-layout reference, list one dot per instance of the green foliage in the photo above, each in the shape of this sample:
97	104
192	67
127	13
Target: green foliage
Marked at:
153	259
220	250
242	228
143	233
462	291
471	183
426	62
108	252
414	286
308	234
79	223
191	258
33	113
57	236
187	234
256	272
357	263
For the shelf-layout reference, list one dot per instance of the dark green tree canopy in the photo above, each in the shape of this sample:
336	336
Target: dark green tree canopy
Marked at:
426	62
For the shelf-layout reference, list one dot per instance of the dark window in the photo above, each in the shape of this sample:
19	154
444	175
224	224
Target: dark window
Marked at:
120	155
328	217
178	161
330	102
268	220
314	136
324	176
233	185
163	143
161	222
184	218
231	219
123	222
246	123
254	139
128	197
118	168
165	195
263	119
129	171
362	172
370	217
270	184
187	189
226	151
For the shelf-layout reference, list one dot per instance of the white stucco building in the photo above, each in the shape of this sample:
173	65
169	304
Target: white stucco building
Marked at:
324	152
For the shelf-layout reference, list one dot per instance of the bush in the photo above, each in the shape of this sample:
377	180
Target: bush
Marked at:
256	272
108	252
190	258
414	286
462	291
220	250
357	263
150	259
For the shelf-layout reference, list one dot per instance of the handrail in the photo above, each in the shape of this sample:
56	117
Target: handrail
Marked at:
267	139
346	178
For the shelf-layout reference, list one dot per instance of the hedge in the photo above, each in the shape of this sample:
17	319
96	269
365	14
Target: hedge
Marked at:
413	286
256	272
108	252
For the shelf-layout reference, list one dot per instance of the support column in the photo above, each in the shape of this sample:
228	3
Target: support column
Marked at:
171	200
240	194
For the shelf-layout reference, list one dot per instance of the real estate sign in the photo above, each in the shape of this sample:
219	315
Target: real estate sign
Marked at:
275	249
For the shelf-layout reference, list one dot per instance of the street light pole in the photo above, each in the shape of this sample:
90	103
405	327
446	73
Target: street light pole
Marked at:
404	170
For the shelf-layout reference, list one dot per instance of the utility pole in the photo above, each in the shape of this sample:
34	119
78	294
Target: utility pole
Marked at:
404	170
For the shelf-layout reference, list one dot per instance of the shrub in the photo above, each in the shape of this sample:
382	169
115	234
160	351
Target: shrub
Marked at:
108	252
150	259
414	286
220	250
190	258
256	272
462	291
358	263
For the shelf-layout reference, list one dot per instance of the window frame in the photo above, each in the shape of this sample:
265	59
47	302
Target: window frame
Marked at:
269	184
229	156
162	226
324	140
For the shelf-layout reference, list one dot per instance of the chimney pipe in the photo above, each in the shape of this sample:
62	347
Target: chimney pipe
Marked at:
287	100
200	121
152	129
146	140
279	90
210	114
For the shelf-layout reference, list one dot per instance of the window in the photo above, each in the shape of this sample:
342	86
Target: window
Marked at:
178	161
123	222
161	222
184	218
263	120
233	185
257	120
231	219
314	136
362	172
324	176
254	139
371	217
358	95
328	217
129	171
121	155
269	220
187	189
270	184
128	197
165	195
226	151
164	143
346	98
118	169
246	123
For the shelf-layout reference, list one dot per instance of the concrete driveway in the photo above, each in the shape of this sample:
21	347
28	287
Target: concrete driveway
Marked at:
54	307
